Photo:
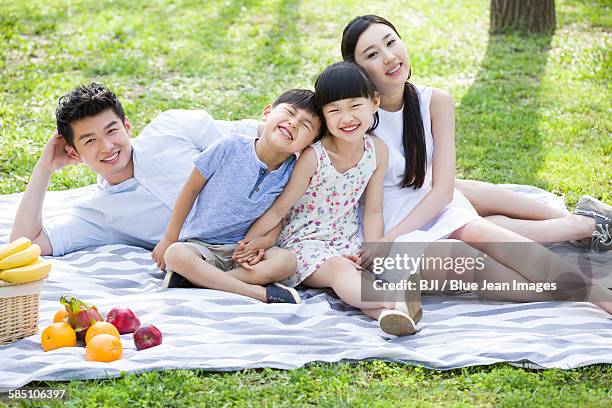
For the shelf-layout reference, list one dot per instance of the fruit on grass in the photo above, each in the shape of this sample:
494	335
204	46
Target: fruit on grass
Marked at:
60	316
11	248
101	328
21	258
104	347
58	335
123	319
81	315
147	336
36	270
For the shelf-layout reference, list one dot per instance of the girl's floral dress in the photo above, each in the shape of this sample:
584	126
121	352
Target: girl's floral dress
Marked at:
323	222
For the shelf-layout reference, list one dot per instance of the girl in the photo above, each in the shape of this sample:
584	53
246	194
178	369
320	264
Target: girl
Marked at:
420	202
320	202
591	222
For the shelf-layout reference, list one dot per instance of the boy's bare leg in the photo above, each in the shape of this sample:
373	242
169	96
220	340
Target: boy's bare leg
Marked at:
184	261
490	199
276	265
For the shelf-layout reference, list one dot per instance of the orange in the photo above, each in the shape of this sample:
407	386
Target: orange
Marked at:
104	347
60	316
101	328
58	335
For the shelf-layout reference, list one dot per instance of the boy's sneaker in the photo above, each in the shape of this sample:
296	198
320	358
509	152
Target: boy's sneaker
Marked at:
277	293
601	239
175	280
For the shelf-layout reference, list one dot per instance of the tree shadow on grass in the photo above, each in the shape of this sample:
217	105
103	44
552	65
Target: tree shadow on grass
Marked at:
499	137
275	60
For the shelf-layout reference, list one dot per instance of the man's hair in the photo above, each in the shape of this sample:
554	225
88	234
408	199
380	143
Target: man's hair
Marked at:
85	101
302	99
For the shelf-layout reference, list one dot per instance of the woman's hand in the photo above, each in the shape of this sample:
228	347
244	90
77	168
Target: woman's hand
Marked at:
370	251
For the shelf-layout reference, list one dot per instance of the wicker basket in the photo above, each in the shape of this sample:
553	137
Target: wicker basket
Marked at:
19	310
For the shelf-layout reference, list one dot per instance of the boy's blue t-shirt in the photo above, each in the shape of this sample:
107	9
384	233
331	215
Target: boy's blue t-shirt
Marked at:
239	189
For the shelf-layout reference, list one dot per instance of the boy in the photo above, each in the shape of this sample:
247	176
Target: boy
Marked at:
234	182
138	179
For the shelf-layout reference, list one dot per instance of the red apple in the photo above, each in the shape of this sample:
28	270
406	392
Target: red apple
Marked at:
123	319
147	336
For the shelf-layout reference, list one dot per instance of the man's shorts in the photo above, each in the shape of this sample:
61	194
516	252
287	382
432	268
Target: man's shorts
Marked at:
218	255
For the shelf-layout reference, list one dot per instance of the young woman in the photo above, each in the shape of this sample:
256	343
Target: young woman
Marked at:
420	201
517	212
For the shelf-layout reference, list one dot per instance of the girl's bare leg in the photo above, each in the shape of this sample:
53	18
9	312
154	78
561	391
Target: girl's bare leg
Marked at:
339	274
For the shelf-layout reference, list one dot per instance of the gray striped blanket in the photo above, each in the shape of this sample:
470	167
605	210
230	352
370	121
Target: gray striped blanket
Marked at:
221	331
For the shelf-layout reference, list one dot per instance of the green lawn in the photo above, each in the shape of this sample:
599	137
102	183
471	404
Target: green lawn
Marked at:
530	110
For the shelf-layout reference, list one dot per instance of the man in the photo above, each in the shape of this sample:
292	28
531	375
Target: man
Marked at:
138	179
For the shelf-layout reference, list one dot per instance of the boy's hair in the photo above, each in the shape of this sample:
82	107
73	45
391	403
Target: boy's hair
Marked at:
85	101
302	99
344	80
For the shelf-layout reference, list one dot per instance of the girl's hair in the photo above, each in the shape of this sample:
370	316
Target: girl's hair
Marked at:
413	136
344	80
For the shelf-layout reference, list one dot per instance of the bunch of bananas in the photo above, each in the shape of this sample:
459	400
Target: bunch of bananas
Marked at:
20	262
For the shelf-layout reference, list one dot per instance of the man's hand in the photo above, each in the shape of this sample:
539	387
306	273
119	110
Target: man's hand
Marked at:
55	153
159	251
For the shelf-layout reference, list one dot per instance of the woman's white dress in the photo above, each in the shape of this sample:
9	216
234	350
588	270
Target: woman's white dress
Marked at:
399	202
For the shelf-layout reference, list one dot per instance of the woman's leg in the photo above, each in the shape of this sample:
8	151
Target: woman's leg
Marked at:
570	228
490	199
490	271
529	259
524	215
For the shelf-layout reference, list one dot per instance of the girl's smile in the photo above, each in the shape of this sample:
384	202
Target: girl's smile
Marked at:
347	118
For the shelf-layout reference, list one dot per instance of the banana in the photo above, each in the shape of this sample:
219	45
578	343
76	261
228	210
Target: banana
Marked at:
27	256
35	271
13	247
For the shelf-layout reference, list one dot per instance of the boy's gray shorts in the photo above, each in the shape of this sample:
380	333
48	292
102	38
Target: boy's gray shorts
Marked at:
218	255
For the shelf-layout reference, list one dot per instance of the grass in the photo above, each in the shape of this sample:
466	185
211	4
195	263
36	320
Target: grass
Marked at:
367	384
532	110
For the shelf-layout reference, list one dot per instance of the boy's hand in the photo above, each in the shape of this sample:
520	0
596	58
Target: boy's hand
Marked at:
159	251
251	261
250	251
55	153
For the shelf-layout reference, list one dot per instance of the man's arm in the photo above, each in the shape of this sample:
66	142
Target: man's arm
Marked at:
28	220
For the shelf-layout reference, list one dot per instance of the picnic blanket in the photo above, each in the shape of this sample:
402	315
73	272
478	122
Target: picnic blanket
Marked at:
221	331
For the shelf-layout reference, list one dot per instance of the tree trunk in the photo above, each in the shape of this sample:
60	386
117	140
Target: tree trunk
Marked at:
531	16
